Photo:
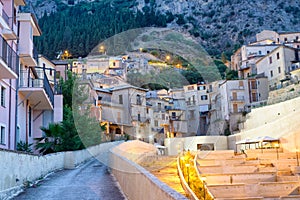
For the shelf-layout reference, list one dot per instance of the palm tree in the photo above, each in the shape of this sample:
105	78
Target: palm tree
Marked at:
51	141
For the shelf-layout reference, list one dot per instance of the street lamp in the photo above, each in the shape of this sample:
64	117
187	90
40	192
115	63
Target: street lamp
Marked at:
168	58
297	150
203	179
188	172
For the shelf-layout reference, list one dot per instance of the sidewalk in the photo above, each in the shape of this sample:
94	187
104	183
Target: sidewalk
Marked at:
90	181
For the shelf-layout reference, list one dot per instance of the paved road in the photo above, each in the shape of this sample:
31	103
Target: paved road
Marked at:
90	181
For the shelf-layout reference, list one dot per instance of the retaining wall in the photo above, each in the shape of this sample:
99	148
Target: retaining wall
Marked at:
18	169
138	183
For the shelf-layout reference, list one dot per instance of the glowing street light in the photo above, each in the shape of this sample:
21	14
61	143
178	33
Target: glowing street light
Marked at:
168	58
101	49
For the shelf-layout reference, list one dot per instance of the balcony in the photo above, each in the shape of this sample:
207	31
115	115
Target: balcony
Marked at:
30	28
9	61
237	99
191	103
9	26
247	66
37	90
140	119
238	88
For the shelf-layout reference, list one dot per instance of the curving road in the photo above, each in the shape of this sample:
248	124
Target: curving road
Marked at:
89	181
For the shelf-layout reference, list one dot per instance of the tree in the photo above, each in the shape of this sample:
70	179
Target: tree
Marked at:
78	129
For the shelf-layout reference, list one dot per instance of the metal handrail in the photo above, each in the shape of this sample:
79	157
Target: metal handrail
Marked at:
9	56
26	81
5	17
48	89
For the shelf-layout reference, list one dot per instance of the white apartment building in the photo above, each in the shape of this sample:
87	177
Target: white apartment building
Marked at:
277	65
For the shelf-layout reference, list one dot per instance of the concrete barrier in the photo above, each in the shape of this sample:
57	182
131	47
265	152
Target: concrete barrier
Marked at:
138	183
20	169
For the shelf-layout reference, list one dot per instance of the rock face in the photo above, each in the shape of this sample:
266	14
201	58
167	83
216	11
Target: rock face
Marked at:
218	24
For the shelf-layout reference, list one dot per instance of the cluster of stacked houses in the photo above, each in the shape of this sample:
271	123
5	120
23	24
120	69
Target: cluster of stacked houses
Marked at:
274	55
29	97
194	110
215	108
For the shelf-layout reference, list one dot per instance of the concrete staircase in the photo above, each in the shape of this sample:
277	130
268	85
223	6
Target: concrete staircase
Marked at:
269	174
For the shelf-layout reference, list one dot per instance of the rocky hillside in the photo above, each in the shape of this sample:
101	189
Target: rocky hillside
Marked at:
220	25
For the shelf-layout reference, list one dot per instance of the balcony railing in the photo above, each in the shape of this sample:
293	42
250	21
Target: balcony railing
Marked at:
10	21
9	56
26	81
140	119
5	17
238	98
191	103
238	88
35	54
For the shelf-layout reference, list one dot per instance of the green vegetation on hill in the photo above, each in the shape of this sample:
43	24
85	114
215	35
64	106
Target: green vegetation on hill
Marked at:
81	27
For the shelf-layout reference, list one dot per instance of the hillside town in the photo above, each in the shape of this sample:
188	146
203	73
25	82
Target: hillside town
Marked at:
227	118
216	108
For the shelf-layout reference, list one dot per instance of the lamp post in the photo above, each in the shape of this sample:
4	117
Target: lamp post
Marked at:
188	172
277	146
297	157
203	186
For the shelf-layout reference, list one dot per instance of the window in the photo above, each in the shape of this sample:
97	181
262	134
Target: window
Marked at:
29	121
3	90
2	136
190	87
285	39
204	97
138	100
155	123
271	73
173	115
279	70
159	106
163	116
241	84
297	37
57	74
192	114
202	87
18	135
268	52
119	117
139	117
210	88
147	110
259	52
278	56
270	60
120	99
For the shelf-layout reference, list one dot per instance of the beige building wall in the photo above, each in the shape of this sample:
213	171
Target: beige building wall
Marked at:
267	34
177	145
276	64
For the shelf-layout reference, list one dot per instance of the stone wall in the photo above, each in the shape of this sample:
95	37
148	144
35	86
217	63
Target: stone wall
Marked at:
19	169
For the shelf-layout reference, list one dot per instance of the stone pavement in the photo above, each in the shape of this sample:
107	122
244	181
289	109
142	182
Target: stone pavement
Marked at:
89	181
